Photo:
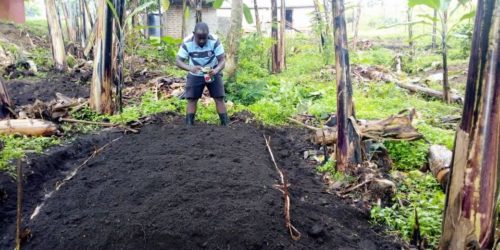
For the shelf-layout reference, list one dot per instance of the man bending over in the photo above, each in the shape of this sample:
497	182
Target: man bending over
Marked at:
203	56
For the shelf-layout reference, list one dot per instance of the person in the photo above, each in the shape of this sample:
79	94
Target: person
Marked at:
202	51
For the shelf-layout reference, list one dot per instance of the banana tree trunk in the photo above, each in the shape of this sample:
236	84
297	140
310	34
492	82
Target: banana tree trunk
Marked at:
161	18
58	51
319	19
444	34
410	32
101	97
348	151
275	68
90	18
183	27
198	11
69	25
257	18
120	34
5	102
59	17
356	27
434	30
83	23
233	38
282	43
471	201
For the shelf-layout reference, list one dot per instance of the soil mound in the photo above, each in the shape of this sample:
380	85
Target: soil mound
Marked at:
23	92
172	187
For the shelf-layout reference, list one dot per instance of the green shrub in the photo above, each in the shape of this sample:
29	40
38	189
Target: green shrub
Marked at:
417	191
408	155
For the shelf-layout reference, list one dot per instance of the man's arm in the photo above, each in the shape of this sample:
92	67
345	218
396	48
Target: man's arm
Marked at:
222	64
183	65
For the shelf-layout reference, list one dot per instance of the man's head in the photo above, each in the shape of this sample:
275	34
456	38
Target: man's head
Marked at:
201	33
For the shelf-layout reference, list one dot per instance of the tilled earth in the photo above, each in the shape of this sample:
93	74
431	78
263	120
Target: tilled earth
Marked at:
173	187
23	92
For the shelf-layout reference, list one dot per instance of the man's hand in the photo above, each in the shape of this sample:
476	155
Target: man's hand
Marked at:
195	69
213	72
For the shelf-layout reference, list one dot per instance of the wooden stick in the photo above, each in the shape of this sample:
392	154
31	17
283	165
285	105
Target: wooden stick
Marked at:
104	124
294	233
302	124
19	203
94	154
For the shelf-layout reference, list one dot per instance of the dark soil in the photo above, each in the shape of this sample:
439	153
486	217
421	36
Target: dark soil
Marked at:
172	187
24	91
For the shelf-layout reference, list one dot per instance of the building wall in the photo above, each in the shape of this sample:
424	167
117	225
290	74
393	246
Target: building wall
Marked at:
302	19
12	10
219	20
172	21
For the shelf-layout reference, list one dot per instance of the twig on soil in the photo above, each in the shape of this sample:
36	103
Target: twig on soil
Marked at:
303	125
294	233
19	203
104	124
355	187
92	156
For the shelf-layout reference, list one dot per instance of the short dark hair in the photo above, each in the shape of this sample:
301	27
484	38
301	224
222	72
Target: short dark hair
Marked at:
201	27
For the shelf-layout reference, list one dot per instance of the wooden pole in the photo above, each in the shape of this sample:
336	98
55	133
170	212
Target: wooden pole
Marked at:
19	168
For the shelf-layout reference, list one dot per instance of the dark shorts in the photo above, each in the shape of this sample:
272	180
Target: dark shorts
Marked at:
196	84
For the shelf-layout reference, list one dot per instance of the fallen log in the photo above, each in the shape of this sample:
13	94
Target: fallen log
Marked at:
374	73
439	163
427	91
397	127
30	127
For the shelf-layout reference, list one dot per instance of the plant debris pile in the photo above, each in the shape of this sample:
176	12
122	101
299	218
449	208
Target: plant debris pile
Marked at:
173	187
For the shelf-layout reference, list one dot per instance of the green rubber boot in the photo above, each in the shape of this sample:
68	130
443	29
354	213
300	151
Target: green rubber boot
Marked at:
224	119
190	119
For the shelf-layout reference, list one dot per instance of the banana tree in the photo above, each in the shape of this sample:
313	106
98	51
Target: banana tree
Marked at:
101	94
238	9
348	151
444	11
472	193
58	51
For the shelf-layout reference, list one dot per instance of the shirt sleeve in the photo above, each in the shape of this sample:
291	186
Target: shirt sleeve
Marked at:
183	53
218	48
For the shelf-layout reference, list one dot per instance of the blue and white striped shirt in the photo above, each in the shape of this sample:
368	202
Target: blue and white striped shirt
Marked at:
201	56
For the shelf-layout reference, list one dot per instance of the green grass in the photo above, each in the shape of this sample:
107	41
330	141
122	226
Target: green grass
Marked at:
15	147
417	191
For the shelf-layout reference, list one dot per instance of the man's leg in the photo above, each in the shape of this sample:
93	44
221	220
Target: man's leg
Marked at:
221	109
217	91
191	111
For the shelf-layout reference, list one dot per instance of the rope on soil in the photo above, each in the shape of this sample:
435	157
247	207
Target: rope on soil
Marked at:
294	233
94	154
